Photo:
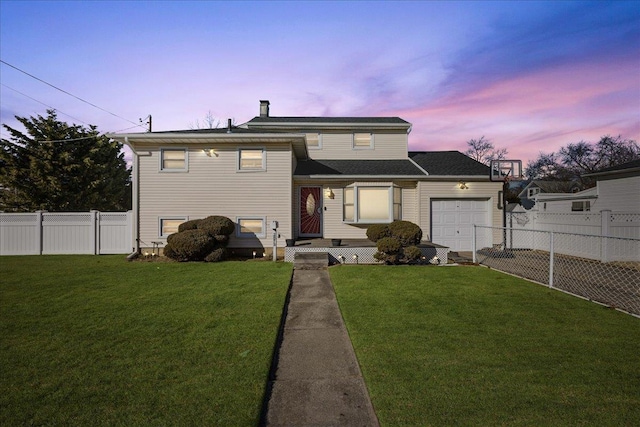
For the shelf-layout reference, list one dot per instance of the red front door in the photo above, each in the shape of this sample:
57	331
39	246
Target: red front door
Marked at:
310	208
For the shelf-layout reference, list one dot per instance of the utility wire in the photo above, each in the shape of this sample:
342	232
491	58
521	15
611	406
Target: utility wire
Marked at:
70	94
40	102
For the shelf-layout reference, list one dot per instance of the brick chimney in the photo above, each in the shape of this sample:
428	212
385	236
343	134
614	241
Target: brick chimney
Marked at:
264	108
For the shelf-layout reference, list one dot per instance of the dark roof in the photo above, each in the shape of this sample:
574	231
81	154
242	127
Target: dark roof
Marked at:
357	167
624	167
363	120
234	129
448	163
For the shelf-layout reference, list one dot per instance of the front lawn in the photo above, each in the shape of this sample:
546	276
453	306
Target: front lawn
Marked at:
95	340
472	346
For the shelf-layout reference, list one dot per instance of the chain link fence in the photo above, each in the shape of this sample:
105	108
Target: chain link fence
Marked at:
598	268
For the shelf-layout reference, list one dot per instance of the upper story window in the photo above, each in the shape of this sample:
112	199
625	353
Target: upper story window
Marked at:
583	206
371	205
532	192
314	141
251	159
173	159
362	141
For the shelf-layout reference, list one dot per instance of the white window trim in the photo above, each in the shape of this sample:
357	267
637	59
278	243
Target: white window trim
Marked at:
532	192
371	143
162	218
264	159
356	218
585	206
242	235
319	146
186	159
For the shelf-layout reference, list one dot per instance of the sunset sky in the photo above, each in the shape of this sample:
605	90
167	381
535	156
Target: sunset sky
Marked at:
529	76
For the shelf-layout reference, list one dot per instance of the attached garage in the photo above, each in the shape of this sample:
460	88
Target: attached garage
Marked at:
452	221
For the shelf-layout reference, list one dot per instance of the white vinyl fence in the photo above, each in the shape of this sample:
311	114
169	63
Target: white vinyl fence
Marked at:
605	224
40	233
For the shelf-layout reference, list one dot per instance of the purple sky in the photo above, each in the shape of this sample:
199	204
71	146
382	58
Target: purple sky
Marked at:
529	76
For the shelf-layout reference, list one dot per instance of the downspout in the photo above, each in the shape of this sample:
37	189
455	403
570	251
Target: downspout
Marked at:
135	200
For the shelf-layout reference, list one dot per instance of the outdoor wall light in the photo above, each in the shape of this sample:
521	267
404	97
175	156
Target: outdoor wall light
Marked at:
355	258
328	194
463	185
341	259
209	152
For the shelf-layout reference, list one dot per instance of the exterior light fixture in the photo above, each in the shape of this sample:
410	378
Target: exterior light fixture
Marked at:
355	258
463	185
328	194
209	152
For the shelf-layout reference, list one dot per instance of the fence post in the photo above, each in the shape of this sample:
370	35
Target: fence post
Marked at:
94	231
551	259
473	243
605	232
39	232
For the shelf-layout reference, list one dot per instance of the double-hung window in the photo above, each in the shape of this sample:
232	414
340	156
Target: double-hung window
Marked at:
252	159
314	141
169	225
173	160
362	141
370	205
251	227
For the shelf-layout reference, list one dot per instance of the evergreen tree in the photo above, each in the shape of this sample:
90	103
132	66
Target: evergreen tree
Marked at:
59	167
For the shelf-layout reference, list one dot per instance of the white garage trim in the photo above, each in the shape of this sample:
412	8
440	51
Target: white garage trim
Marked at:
452	221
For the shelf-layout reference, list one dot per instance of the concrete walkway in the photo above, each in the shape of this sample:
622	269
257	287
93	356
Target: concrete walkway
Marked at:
317	379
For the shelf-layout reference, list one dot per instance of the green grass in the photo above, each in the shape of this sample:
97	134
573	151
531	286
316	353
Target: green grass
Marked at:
95	340
471	346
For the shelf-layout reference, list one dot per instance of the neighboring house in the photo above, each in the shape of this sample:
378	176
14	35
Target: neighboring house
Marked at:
617	189
538	186
326	177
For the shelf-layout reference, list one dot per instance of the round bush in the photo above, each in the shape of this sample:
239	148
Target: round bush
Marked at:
190	245
412	253
222	239
217	225
389	245
406	232
170	237
188	225
376	232
217	255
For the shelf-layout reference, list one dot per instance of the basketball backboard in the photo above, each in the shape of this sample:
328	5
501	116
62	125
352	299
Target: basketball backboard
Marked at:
505	170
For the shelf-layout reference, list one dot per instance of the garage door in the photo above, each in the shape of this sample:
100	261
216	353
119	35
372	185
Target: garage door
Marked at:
452	221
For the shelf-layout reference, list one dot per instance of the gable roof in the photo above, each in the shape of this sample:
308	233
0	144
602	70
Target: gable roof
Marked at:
547	186
449	163
358	168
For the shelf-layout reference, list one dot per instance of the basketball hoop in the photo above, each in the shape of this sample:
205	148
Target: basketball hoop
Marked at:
505	170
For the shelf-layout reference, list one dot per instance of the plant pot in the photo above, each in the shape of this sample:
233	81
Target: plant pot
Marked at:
336	242
290	242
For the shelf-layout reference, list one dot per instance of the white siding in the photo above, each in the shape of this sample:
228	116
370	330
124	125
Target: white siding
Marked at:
428	190
214	186
338	146
332	224
619	195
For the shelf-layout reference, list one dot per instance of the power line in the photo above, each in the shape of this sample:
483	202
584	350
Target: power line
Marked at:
70	94
40	102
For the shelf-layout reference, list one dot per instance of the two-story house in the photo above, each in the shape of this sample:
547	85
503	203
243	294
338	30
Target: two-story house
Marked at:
326	177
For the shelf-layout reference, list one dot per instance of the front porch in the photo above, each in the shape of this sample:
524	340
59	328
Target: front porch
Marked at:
354	251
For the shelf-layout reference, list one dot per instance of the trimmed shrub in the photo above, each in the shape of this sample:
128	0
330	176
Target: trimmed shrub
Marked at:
217	255
217	225
388	250
412	253
222	239
188	225
170	237
190	245
376	232
406	232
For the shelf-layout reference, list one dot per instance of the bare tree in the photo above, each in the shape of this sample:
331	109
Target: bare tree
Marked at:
209	122
483	151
